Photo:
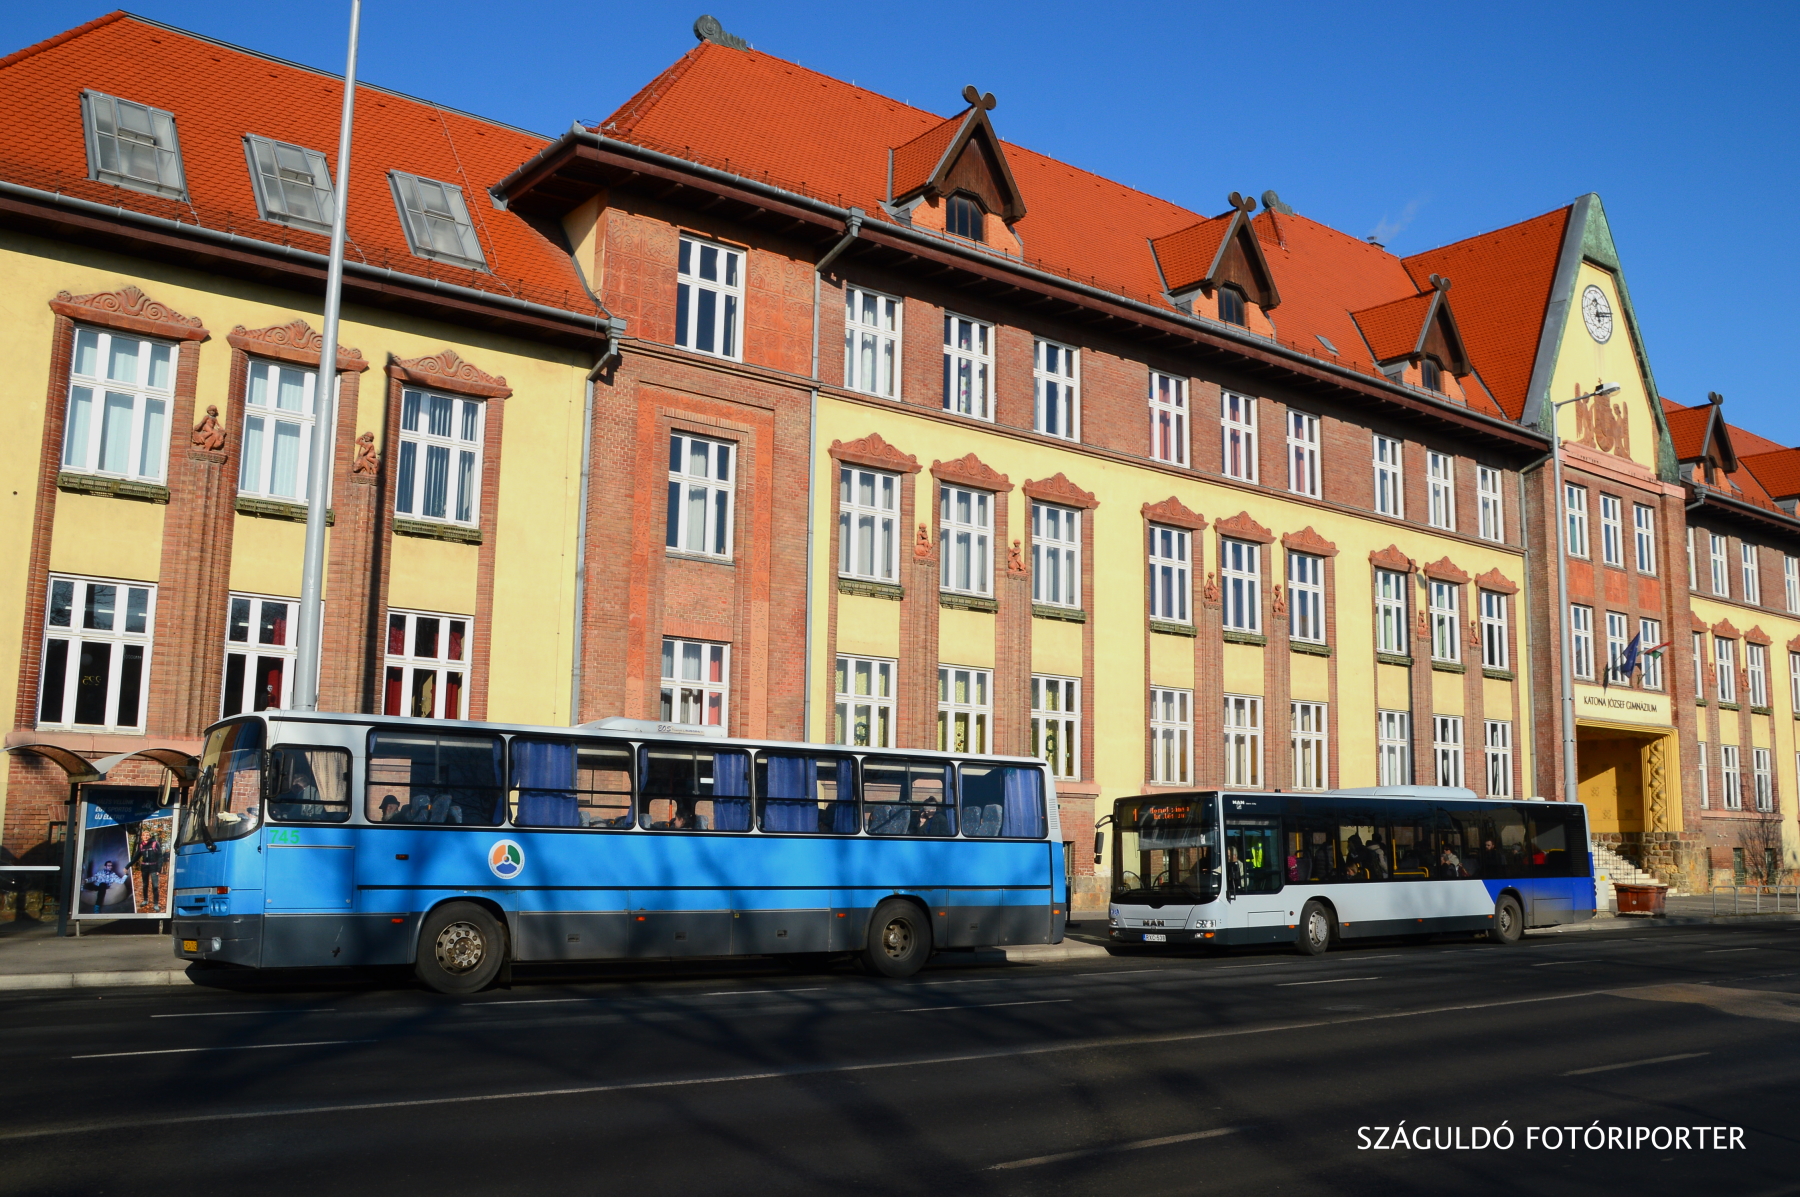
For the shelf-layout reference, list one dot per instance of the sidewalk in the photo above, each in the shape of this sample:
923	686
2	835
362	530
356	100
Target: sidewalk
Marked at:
108	954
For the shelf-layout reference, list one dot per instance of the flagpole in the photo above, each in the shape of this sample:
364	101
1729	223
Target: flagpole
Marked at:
318	489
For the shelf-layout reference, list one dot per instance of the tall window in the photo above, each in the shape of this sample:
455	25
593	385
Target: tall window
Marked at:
1446	644
865	703
132	145
1650	637
1618	635
1494	654
868	522
1790	576
965	518
1243	740
1171	736
1390	494
709	298
964	709
1794	681
1237	422
1055	380
1700	665
1055	555
1492	506
1393	748
1581	624
1447	748
1168	418
1169	587
436	220
1762	779
1612	530
1056	723
259	654
1231	305
97	638
700	495
1756	674
278	427
1731	764
1693	578
1310	769
1721	578
968	367
871	343
1725	668
1752	576
1705	779
119	393
1390	611
427	665
696	682
1440	478
439	475
1303	453
1575	510
1643	523
1499	758
1306	597
292	183
1240	580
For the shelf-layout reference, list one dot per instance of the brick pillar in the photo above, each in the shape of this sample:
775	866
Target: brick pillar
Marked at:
348	674
916	710
1012	646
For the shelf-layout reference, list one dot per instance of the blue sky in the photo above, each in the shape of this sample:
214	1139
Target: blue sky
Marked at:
1423	122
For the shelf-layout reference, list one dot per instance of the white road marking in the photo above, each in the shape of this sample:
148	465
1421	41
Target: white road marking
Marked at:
1549	963
982	1005
243	1047
224	1013
1326	981
1716	951
1126	972
754	992
1637	1063
1060	1156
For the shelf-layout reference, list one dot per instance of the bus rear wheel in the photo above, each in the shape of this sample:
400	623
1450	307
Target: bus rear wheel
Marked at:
1313	936
899	940
1509	921
461	948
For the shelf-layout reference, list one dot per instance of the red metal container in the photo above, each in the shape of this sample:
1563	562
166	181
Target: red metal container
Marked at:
1641	899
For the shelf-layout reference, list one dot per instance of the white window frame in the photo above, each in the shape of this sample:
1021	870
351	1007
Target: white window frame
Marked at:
1700	665
265	383
1056	723
1306	597
1168	418
1581	640
1790	577
1445	607
872	340
1721	572
1650	674
1643	524
443	669
1303	453
1392	633
1494	651
1492	513
1725	668
1240	585
1705	778
1055	555
1497	752
436	220
696	682
968	367
1390	480
1393	748
66	615
1731	764
152	141
1693	576
247	623
1237	436
1618	638
1440	480
723	334
1576	521
1243	731
287	181
463	448
1794	680
1447	749
1762	779
965	540
1170	556
965	709
1750	569
1756	674
1171	736
700	485
868	524
1056	389
1309	732
95	402
1612	530
864	713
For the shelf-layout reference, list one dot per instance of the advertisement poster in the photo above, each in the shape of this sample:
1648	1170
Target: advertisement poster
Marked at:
126	853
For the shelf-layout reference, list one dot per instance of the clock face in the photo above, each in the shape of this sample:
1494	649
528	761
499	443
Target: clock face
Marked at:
1597	313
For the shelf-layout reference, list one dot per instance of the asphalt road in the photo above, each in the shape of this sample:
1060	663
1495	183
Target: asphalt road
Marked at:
1139	1075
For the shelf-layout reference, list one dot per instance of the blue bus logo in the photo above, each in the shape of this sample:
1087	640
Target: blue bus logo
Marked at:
506	859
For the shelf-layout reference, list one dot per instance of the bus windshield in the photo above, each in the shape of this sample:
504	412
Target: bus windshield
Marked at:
227	800
1167	850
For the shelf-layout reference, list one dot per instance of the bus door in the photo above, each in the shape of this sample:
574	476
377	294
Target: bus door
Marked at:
308	868
1254	868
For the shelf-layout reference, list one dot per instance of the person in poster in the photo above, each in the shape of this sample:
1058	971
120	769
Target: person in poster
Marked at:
105	878
151	858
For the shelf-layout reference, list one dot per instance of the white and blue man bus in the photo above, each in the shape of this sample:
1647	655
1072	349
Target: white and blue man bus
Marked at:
457	848
1223	868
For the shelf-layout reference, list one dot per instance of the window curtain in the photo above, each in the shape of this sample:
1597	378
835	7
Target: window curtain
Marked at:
544	775
789	804
731	791
843	811
1023	813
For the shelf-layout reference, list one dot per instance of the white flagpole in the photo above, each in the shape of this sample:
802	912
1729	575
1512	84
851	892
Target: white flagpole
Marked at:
318	488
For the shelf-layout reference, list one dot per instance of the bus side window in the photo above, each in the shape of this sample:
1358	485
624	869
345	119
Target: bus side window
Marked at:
559	784
908	798
1555	845
309	785
806	795
1003	800
1409	845
430	777
687	790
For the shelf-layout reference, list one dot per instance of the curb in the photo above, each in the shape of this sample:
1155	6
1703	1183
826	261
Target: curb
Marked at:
1050	953
172	976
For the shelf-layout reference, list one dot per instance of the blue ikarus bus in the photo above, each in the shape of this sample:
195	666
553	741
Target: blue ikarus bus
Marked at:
318	839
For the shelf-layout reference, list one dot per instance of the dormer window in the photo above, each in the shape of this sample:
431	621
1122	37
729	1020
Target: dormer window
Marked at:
1231	306
436	221
1431	375
132	145
963	216
292	183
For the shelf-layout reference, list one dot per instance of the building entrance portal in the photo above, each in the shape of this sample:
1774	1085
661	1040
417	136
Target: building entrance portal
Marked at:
1622	779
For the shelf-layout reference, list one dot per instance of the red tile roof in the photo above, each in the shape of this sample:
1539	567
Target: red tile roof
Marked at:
1393	329
1778	471
1187	254
917	159
1687	428
219	93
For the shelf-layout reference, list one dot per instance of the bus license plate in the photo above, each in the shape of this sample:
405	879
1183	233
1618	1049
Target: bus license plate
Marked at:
1156	938
190	945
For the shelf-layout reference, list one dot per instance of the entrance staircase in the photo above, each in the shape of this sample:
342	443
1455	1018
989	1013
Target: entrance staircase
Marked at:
1609	869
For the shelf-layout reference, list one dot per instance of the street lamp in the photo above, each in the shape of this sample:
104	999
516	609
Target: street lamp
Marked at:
1570	779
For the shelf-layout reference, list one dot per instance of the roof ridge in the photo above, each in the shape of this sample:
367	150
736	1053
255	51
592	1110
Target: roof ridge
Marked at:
1568	207
59	38
646	97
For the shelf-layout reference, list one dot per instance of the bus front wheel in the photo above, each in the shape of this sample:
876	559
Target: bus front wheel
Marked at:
461	948
899	940
1509	921
1314	934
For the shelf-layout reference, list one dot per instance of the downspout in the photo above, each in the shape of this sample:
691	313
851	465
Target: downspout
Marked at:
615	329
1531	554
852	227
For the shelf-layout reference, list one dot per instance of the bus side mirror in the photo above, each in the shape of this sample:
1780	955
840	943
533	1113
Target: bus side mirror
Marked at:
1099	846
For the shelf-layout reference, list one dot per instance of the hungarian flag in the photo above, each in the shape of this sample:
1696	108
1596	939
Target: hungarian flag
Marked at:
1633	659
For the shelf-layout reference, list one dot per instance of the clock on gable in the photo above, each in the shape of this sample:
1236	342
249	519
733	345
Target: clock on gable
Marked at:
1597	314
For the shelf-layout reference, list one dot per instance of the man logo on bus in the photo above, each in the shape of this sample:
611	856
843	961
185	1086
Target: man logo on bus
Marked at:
506	859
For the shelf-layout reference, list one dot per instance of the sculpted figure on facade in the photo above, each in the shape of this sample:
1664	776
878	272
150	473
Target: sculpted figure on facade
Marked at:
367	460
207	433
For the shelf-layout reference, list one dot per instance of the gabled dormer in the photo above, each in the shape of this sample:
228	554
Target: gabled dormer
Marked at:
1702	441
1217	269
1415	340
954	178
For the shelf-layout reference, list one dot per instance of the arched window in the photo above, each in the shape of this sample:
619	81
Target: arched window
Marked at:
964	216
1231	305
